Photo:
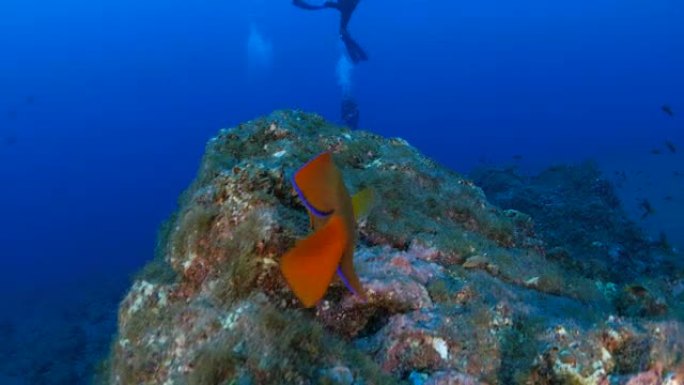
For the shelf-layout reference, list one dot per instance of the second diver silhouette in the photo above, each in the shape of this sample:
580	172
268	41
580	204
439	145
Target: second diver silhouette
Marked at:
349	111
346	8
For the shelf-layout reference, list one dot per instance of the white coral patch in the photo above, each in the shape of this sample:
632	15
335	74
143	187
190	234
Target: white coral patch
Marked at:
574	373
162	298
605	355
141	290
561	333
229	321
180	344
441	348
269	262
188	261
279	154
375	164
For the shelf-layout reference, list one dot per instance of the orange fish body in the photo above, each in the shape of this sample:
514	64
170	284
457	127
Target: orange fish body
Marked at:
310	266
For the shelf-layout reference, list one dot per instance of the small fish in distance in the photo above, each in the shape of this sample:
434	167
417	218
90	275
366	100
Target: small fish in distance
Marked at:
671	146
647	208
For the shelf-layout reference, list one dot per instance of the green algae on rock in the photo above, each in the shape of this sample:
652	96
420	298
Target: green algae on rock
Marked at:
459	291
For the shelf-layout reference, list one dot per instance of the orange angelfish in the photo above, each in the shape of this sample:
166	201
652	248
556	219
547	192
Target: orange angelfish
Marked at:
310	265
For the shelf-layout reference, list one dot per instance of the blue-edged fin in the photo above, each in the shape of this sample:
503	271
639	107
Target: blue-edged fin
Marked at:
317	184
362	202
310	266
348	274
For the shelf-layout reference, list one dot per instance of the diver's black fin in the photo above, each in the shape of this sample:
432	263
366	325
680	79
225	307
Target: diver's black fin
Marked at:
332	4
304	5
356	53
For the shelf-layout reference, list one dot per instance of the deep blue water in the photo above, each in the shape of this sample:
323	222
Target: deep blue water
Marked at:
105	106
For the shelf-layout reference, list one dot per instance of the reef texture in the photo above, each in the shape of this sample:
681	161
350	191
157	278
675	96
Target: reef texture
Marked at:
459	290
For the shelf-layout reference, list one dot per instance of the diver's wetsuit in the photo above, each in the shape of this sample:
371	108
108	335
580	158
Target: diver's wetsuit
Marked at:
346	8
349	111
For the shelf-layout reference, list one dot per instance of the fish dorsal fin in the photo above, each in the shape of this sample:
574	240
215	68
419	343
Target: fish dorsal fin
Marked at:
317	184
310	266
362	202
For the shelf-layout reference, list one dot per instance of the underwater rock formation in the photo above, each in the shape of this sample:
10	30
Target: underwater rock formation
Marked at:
578	214
585	229
458	290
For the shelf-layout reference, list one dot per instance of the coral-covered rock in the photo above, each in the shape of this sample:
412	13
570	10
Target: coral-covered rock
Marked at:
452	378
458	291
410	342
577	211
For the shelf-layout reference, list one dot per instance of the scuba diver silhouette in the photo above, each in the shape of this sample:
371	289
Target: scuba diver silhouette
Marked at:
349	112
346	8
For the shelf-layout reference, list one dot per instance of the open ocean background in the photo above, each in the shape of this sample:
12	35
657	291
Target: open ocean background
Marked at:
105	107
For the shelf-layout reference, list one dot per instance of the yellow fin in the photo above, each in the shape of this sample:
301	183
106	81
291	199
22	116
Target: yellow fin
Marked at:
310	266
362	202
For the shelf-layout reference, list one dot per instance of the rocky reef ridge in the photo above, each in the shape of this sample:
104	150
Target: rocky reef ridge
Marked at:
459	291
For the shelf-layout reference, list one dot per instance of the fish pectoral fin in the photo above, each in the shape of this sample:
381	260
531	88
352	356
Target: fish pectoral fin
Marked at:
310	266
362	202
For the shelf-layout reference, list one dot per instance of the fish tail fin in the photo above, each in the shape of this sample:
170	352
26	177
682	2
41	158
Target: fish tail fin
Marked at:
310	266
